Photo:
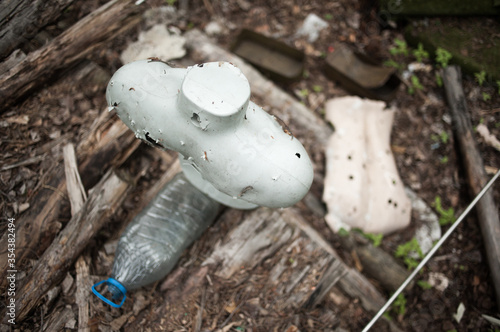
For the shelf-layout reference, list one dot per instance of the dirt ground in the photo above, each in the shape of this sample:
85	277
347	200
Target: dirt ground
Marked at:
63	111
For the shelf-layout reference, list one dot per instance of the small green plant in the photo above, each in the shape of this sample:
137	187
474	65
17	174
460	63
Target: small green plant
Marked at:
375	238
424	284
404	250
486	96
170	2
328	17
446	217
304	92
420	54
444	137
399	305
400	47
343	232
480	77
443	57
317	88
414	85
439	80
443	160
394	64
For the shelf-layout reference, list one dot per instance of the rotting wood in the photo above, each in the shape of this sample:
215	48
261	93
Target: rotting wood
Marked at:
75	189
59	319
82	293
108	143
353	283
104	199
72	46
21	20
376	263
487	211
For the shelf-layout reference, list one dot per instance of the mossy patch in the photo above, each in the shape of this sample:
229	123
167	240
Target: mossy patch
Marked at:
473	43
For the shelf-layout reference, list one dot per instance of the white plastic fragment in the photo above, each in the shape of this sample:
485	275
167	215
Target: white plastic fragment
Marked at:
362	185
430	230
488	138
438	280
156	42
230	148
311	27
213	28
460	312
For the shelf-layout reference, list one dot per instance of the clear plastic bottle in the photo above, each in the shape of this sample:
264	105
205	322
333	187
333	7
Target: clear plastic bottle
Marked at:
152	243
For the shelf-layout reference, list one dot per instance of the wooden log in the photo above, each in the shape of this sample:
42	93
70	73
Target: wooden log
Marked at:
21	20
51	268
67	49
375	262
108	143
486	209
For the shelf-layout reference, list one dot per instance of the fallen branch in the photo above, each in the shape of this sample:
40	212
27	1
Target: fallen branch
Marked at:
67	49
105	198
487	211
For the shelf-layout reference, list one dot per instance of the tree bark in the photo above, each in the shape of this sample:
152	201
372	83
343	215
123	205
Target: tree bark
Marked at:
65	50
487	211
21	20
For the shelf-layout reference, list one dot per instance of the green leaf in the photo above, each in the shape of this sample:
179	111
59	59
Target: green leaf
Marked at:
403	250
343	232
443	57
424	284
420	54
439	80
399	305
317	88
445	216
444	137
394	64
480	77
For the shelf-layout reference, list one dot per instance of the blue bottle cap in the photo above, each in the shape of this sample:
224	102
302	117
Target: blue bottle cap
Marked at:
115	287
